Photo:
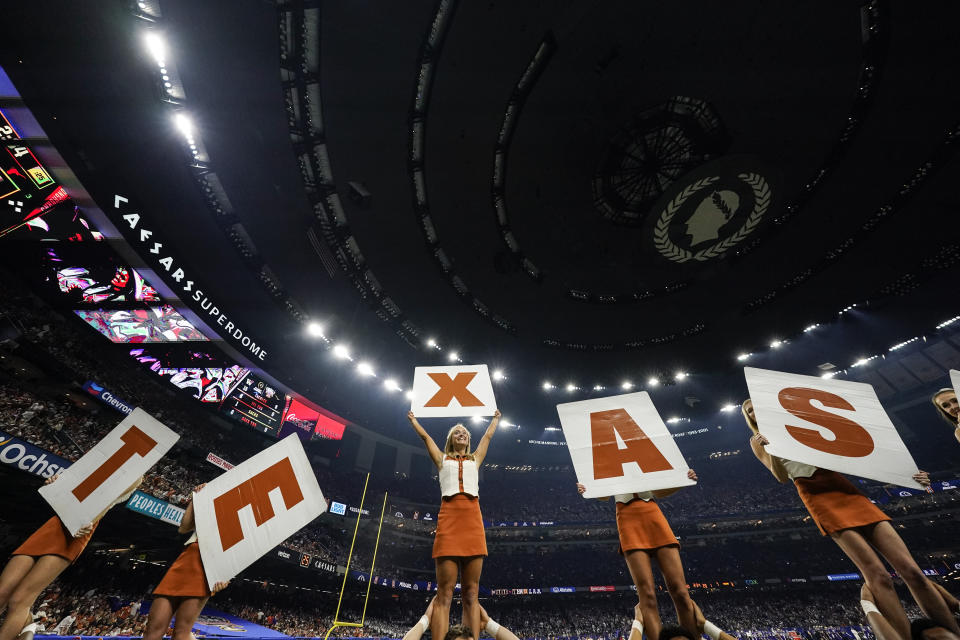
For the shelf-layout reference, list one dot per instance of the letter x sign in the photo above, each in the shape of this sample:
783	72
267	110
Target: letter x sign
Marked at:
255	506
834	424
463	390
96	480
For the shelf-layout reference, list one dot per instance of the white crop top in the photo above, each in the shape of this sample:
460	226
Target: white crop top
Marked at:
646	496
459	475
797	469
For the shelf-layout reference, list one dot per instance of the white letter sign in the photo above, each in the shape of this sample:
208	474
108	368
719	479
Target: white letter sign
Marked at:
463	390
94	482
252	508
620	445
834	424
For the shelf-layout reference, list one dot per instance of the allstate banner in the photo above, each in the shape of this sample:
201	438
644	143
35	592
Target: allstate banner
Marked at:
155	508
29	457
213	622
106	397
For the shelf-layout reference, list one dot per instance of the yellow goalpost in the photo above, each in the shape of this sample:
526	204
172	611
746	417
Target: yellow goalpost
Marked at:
346	573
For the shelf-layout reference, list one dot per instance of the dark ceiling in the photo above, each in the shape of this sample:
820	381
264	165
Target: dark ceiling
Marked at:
678	182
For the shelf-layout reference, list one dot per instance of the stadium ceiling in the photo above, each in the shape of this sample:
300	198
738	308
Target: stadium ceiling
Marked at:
584	193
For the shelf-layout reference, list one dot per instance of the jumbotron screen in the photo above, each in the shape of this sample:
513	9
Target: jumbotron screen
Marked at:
256	404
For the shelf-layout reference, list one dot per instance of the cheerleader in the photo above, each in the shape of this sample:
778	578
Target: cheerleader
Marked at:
945	401
645	536
861	530
460	542
36	563
183	590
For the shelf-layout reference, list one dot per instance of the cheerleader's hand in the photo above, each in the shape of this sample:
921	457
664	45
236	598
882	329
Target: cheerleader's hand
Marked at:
581	489
51	479
698	616
638	613
922	477
84	531
497	414
692	474
761	439
199	487
219	586
429	611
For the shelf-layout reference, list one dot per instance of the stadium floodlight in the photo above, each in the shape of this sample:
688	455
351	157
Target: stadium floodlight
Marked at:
728	407
391	385
453	356
626	385
342	352
409	394
743	356
184	125
476	419
652	382
156	46
680	375
571	387
547	386
366	369
315	329
775	344
432	343
498	375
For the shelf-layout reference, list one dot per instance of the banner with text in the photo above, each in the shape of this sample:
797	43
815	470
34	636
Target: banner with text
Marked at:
155	508
29	457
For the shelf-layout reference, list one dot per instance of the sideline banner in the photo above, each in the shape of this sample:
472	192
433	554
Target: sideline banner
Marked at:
106	397
249	510
217	461
619	444
213	622
147	505
29	457
462	390
97	479
834	424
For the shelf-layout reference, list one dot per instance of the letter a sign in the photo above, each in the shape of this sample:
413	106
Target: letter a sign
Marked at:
834	424
255	506
94	482
463	390
620	445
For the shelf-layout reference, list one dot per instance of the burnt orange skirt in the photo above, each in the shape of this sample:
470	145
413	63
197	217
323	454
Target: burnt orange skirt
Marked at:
53	539
642	525
185	577
835	504
460	531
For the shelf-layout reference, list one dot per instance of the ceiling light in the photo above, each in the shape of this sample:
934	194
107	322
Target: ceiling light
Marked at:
453	356
315	329
775	344
571	387
829	374
476	419
652	382
680	376
432	343
811	328
183	124
743	356
552	429
626	385
598	387
364	368
156	47
728	407
391	385
673	420
547	386
498	374
342	352
409	395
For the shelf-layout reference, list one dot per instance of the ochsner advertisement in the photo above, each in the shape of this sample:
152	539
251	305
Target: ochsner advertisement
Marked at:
107	398
30	458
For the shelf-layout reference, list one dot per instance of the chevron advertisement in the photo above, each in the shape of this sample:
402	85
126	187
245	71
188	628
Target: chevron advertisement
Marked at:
28	457
103	395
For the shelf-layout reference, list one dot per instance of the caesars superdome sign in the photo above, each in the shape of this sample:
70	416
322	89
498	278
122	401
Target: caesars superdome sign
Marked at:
712	209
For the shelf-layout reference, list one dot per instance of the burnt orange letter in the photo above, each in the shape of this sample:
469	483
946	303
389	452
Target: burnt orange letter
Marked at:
852	440
254	492
608	459
135	441
455	388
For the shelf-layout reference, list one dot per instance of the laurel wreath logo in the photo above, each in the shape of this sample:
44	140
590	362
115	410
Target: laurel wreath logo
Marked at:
669	250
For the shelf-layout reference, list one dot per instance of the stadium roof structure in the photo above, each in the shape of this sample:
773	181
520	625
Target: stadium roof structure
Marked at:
585	194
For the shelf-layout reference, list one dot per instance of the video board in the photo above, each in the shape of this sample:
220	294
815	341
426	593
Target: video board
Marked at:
156	324
256	404
205	377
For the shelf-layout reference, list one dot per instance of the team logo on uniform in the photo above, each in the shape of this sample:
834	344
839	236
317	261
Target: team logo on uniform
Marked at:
712	210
